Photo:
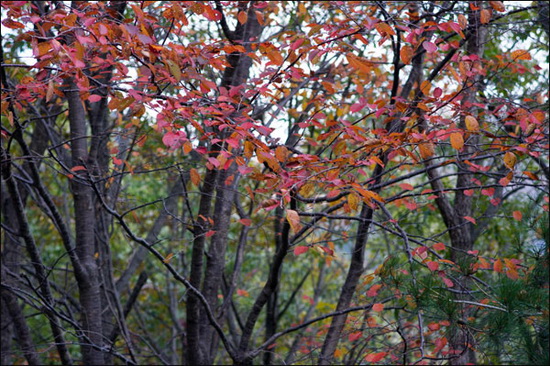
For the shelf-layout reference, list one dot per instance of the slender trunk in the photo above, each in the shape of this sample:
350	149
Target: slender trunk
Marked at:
200	337
462	239
85	222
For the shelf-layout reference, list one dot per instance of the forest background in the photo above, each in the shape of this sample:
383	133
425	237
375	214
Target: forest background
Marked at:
313	182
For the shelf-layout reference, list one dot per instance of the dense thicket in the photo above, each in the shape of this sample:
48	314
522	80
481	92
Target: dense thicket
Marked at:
324	182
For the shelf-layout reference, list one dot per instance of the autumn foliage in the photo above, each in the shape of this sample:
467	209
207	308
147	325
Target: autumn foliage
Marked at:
324	182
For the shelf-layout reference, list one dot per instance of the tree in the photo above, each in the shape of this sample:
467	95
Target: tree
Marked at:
298	182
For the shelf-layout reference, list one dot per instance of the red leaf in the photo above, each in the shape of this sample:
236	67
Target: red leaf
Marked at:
517	215
378	307
433	266
440	343
355	336
430	47
243	293
375	357
439	246
94	98
373	291
246	222
469	192
504	181
448	282
406	186
209	233
77	168
471	219
214	162
300	249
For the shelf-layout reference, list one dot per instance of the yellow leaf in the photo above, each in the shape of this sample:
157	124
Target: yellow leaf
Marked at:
510	160
457	141
472	124
174	69
307	189
294	220
353	201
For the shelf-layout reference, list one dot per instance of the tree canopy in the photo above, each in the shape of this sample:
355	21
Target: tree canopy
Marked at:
274	182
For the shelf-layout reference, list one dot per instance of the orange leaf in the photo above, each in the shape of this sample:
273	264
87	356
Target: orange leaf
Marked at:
497	5
517	215
462	21
242	292
485	16
406	54
384	29
168	257
497	266
426	150
472	124
531	175
375	357
457	141
78	168
195	177
512	273
425	87
242	17
521	55
378	307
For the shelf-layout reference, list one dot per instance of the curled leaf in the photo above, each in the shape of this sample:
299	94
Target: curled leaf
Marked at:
294	220
510	160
